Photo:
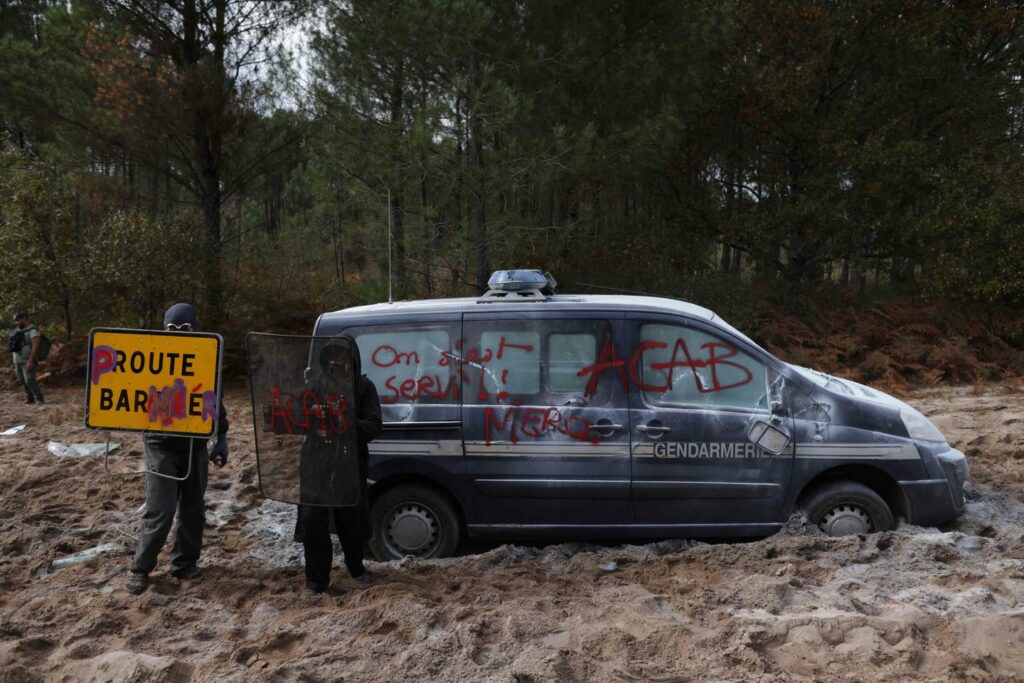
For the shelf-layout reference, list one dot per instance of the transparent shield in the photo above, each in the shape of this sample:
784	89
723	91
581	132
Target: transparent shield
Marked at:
303	403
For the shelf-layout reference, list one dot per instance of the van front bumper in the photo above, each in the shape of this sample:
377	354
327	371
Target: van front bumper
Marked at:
934	501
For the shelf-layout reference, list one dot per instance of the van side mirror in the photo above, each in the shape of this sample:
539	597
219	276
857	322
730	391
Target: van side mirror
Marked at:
768	437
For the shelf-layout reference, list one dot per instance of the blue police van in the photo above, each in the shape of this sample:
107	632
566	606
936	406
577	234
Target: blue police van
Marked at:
526	414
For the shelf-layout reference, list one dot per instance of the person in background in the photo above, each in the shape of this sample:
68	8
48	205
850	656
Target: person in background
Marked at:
169	455
25	358
312	527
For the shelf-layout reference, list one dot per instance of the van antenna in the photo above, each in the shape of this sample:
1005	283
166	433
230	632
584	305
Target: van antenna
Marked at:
389	246
611	289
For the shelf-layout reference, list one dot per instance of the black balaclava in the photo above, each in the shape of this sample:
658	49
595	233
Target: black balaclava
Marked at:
179	314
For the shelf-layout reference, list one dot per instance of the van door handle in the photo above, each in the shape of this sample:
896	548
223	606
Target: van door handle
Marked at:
604	427
653	429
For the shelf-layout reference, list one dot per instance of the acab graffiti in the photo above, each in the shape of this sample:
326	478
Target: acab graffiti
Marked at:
718	355
310	411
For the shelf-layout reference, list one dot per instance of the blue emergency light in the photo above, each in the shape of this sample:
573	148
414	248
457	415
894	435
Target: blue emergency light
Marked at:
522	280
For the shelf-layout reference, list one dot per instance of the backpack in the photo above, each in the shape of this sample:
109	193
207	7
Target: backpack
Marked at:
15	341
44	347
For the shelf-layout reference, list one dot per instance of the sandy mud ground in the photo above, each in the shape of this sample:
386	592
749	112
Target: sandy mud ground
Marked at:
915	604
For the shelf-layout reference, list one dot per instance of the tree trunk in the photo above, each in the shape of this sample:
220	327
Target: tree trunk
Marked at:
207	142
429	240
396	207
477	215
66	303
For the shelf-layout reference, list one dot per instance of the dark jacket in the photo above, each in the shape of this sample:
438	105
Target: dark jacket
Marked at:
367	409
179	314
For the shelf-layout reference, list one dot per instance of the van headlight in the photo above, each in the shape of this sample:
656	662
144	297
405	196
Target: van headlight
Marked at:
920	427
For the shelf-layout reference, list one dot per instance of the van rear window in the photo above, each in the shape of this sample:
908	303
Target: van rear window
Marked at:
568	355
409	364
536	362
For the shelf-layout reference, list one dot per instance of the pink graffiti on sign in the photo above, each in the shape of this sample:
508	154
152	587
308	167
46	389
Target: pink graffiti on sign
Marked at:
167	404
104	359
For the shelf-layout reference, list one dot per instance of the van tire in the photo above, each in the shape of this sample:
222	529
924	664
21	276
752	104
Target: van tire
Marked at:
843	508
412	519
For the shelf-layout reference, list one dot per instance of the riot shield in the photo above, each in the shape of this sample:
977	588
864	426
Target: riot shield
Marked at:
303	406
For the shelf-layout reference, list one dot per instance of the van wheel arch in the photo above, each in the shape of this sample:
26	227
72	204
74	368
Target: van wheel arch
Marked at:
435	496
874	478
382	486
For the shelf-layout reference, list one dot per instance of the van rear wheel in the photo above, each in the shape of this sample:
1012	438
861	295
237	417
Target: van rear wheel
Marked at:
416	520
844	508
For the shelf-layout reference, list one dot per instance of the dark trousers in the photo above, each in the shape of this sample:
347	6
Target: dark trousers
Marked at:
164	497
28	381
314	523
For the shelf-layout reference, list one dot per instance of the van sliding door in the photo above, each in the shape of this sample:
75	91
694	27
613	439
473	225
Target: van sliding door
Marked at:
546	430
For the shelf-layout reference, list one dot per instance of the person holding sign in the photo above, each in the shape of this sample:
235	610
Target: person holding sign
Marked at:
169	456
328	376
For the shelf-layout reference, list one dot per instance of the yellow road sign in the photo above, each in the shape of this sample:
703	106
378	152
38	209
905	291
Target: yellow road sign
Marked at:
153	381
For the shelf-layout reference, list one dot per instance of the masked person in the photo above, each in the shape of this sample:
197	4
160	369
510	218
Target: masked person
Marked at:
327	381
170	455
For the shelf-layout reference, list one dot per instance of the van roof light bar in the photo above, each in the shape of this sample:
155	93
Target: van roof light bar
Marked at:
519	284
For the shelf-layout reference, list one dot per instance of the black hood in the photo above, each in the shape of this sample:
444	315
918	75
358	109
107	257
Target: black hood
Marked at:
179	314
355	354
334	352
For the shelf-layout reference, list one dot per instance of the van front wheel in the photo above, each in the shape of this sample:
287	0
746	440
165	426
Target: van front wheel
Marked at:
844	508
413	520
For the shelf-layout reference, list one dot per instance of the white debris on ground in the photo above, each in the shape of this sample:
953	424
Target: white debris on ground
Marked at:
86	555
80	450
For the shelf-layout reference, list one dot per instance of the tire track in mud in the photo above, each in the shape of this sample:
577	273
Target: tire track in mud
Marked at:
913	604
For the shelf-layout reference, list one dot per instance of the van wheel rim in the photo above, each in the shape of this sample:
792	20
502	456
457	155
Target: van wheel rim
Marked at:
845	520
412	529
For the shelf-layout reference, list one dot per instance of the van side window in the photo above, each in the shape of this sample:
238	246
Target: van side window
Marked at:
514	365
536	362
683	366
568	355
409	364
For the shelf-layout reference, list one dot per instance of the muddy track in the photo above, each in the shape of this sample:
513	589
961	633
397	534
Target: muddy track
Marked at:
914	604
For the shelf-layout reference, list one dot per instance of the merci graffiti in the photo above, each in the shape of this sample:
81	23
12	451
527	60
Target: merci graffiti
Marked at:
535	423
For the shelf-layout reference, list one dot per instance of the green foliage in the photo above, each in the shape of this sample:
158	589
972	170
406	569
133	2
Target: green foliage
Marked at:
41	72
136	264
39	238
975	232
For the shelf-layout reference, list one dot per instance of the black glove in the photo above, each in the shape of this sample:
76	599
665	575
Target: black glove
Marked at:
219	454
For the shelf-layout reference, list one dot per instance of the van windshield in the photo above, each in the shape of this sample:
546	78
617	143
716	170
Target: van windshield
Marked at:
822	380
732	330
